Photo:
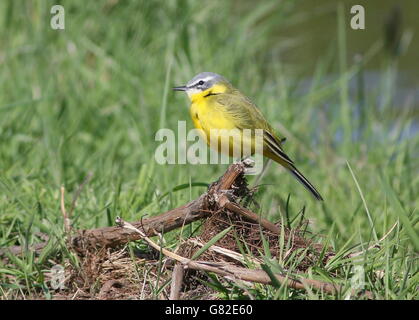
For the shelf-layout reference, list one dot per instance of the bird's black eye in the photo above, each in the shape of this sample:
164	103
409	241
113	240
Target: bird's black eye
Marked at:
201	82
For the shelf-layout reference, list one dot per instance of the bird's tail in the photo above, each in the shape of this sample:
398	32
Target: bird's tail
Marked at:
272	149
300	177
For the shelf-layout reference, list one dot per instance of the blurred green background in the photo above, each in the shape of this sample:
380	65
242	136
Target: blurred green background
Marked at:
90	98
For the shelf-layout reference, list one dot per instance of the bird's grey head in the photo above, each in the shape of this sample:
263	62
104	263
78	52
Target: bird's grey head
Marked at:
201	82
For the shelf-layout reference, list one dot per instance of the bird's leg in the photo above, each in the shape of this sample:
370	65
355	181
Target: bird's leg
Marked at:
244	159
248	163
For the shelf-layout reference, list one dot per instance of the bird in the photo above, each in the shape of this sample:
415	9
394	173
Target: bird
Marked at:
217	104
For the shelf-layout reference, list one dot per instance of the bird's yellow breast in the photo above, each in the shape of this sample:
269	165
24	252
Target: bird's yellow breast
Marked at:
208	115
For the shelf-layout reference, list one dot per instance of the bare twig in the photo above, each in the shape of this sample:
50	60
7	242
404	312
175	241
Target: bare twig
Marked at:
228	253
177	280
234	207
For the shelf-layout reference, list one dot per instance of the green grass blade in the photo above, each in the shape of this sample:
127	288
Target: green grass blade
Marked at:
364	202
211	242
401	212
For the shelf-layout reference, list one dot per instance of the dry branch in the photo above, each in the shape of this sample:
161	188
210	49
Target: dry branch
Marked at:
177	280
249	215
114	236
173	219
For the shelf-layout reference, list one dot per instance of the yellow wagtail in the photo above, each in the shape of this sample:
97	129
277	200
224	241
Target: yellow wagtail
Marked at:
216	104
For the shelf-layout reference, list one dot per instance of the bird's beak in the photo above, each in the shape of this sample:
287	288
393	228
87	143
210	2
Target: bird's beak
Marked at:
181	88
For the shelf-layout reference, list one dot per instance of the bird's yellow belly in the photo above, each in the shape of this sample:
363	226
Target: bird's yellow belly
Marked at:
219	130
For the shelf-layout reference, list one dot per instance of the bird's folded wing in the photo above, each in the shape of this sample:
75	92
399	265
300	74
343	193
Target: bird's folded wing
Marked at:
246	115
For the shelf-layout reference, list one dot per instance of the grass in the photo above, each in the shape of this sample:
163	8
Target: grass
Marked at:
90	99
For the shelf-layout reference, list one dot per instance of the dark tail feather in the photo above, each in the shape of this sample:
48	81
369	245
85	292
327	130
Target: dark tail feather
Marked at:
305	183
